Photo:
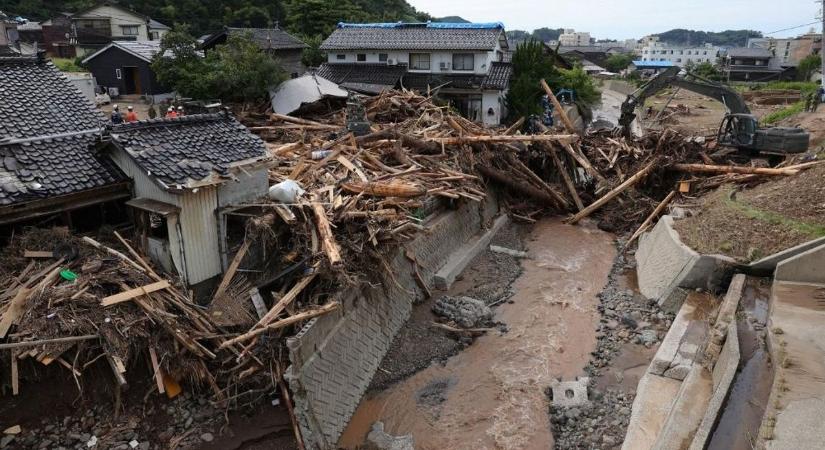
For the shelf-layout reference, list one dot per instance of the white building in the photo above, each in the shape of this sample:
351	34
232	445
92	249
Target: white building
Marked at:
464	60
653	50
98	26
573	38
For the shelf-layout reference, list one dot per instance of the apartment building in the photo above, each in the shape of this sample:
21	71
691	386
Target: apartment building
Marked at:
654	50
573	38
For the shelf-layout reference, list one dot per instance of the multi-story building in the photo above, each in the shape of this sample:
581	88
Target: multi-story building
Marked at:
462	62
654	50
85	32
8	34
790	51
573	38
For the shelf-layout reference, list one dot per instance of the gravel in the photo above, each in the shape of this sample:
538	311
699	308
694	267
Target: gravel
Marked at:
626	317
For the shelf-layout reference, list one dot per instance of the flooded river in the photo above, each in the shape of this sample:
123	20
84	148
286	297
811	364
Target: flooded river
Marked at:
491	395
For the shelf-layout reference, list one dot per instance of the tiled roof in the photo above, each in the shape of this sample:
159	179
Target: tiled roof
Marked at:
423	36
266	38
499	76
420	81
155	25
179	152
47	134
376	74
36	100
145	50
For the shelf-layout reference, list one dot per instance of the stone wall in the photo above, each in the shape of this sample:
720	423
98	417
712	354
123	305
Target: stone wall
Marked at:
334	357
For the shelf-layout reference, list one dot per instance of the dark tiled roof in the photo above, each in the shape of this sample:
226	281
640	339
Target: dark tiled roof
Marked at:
188	149
54	166
269	38
36	100
376	74
412	37
499	76
47	134
420	81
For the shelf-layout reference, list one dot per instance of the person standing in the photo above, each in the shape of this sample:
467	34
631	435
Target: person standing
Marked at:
131	115
117	118
171	113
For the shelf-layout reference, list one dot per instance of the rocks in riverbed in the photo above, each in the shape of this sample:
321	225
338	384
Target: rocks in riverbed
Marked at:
379	440
601	423
467	312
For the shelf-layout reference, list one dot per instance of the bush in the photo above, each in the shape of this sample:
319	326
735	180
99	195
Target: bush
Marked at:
68	65
619	62
801	86
783	114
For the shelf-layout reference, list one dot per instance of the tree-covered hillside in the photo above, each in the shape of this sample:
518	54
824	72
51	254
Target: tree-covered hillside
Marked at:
734	38
301	16
541	34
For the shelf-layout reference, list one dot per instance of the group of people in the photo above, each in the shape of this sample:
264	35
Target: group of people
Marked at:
813	99
131	115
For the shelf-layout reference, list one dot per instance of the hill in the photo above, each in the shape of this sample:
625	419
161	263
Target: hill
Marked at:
451	19
203	16
735	38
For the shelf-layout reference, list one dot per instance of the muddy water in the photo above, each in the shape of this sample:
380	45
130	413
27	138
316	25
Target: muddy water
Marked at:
491	395
739	425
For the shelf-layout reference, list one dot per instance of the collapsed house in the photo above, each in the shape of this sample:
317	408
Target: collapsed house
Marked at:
50	162
465	61
184	171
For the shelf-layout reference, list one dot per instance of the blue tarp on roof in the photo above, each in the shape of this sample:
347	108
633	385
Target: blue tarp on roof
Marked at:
442	25
653	63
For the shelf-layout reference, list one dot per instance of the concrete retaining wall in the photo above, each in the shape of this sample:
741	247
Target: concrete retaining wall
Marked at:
666	266
334	357
766	265
806	267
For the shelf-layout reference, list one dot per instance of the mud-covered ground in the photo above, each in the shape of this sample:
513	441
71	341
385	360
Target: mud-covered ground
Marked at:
629	332
418	344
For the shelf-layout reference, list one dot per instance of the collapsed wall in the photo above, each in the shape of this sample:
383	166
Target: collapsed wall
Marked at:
334	357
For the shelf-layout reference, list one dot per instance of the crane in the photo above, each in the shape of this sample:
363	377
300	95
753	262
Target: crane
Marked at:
739	128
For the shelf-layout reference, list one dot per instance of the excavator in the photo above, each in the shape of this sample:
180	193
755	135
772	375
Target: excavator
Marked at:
739	128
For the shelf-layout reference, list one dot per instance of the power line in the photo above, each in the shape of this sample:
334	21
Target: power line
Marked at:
793	28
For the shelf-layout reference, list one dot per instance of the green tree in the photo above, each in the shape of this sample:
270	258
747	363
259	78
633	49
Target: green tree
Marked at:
807	67
313	17
618	62
707	70
235	71
313	56
248	17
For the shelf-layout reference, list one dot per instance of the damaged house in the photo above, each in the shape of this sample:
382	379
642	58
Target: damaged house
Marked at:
277	43
185	172
50	162
465	61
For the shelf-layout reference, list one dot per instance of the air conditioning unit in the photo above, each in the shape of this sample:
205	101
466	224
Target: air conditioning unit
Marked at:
392	62
444	65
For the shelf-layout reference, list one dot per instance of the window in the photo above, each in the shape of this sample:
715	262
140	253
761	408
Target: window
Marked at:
129	30
420	61
118	74
678	59
463	61
382	57
361	57
340	56
705	52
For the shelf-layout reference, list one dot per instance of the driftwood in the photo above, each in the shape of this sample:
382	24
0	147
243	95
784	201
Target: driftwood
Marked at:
233	267
584	162
561	138
386	189
658	210
571	188
508	181
706	168
568	125
612	194
328	242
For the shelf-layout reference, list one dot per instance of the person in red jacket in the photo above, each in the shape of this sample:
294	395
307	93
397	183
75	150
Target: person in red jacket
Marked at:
131	115
171	113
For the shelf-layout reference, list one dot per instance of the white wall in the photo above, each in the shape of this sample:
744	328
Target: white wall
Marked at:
247	188
481	60
679	56
118	17
495	100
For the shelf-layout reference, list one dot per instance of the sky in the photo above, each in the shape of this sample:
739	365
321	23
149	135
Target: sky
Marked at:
624	19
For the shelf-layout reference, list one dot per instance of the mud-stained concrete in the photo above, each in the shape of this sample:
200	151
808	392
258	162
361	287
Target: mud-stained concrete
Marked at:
492	395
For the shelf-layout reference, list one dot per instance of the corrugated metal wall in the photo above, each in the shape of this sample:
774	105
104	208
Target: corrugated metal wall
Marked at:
199	227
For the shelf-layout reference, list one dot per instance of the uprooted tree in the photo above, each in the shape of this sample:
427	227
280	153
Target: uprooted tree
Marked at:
235	71
530	65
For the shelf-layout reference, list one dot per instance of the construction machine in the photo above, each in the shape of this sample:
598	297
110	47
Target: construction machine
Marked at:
739	128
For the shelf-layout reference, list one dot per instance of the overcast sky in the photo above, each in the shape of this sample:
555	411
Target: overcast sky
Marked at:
622	19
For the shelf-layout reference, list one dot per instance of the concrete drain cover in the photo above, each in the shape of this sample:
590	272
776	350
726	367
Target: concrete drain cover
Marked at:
570	393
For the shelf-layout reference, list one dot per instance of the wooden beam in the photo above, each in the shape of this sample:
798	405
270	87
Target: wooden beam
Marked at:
658	210
455	140
707	168
62	340
14	310
153	355
132	293
615	192
230	271
514	127
584	162
571	188
328	242
37	254
305	315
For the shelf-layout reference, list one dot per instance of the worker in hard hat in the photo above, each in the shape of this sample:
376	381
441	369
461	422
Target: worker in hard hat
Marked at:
171	113
131	115
116	116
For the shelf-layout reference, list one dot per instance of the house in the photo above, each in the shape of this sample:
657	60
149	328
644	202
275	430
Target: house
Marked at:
284	47
790	51
595	55
50	165
464	61
9	36
681	56
126	66
185	172
85	32
753	64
